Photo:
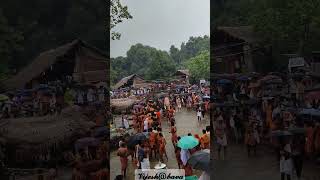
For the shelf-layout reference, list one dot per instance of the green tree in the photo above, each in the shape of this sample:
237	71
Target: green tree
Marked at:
193	47
10	44
139	58
161	66
199	66
175	54
118	13
287	22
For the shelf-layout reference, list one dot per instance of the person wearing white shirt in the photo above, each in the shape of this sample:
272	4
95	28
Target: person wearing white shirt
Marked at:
145	124
125	123
199	115
90	95
233	127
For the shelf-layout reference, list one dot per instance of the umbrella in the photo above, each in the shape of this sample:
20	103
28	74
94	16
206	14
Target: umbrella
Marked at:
270	77
191	178
227	104
135	139
243	78
3	97
224	81
297	130
273	81
137	106
254	74
200	160
25	92
243	97
253	85
279	133
101	132
85	142
290	109
188	142
251	102
313	95
206	97
310	112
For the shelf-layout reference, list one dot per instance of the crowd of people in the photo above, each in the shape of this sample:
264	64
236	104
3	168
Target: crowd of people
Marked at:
48	98
257	111
148	118
89	157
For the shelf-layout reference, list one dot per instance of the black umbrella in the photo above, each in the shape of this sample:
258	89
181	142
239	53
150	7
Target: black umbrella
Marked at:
101	132
243	97
297	130
279	133
200	160
135	139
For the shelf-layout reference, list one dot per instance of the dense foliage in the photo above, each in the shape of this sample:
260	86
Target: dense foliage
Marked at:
28	28
154	64
199	66
290	26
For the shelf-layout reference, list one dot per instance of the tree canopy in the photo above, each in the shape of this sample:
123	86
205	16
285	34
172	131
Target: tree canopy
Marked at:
28	28
290	26
199	66
154	64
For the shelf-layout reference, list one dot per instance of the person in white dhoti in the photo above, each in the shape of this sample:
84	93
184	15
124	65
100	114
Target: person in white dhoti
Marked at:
90	95
101	94
185	155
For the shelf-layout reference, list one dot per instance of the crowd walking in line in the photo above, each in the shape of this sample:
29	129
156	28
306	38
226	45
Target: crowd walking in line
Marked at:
148	118
262	112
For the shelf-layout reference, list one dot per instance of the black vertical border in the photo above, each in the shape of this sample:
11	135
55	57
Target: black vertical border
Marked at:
211	92
107	105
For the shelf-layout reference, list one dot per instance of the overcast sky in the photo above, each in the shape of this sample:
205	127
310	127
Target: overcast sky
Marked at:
162	23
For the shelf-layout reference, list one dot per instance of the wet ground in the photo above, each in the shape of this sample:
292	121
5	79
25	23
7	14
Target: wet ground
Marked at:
238	166
186	122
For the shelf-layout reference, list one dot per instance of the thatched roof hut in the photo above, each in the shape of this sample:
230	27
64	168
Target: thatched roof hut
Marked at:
182	75
84	62
129	81
243	33
237	49
184	72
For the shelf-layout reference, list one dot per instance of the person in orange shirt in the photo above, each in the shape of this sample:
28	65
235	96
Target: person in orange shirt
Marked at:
198	147
205	140
158	114
147	150
171	113
123	153
317	138
153	139
269	115
162	147
174	137
309	146
188	170
150	121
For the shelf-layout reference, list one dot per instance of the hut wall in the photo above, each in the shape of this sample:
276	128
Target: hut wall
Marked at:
90	67
138	80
